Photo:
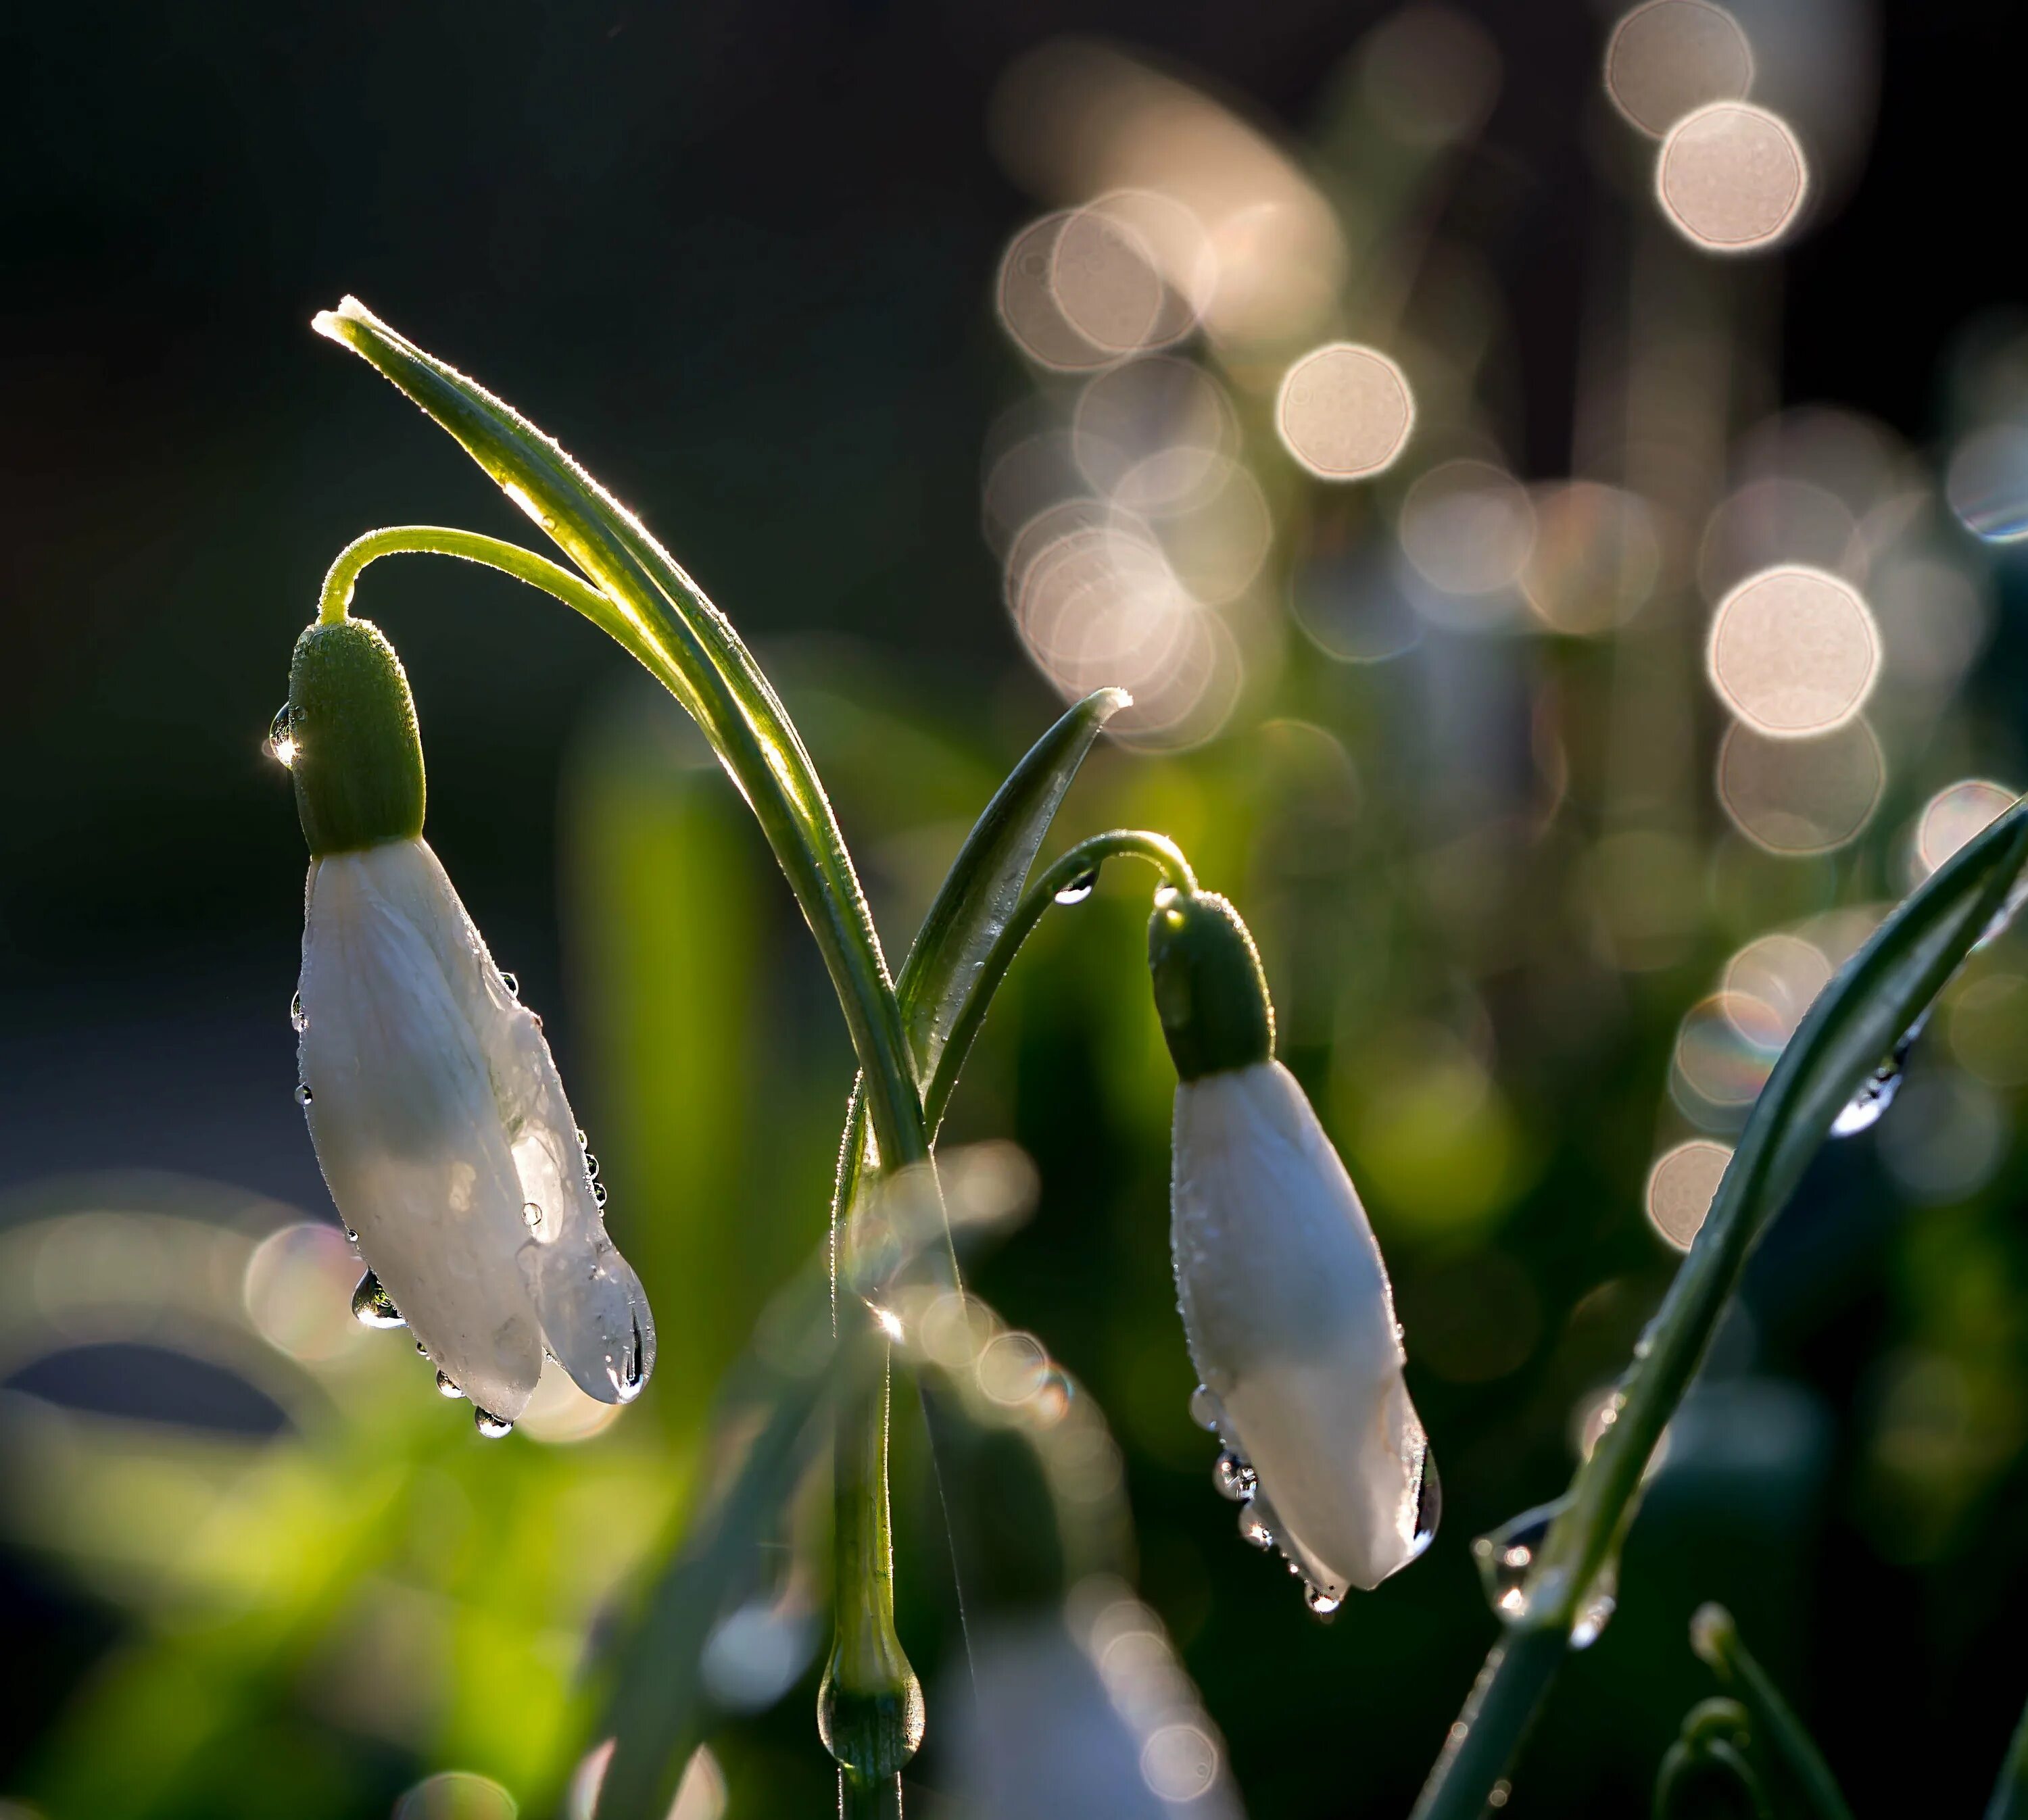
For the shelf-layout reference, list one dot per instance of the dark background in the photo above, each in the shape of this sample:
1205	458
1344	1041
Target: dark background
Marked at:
739	258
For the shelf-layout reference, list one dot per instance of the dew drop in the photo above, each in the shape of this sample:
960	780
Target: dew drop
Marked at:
372	1306
491	1427
298	1018
1429	1502
445	1387
1321	1604
1234	1478
1080	888
1253	1528
304	1095
591	1165
1204	1408
1866	1107
583	1142
351	1236
512	985
282	742
421	1348
631	1379
531	1216
1506	1557
598	1193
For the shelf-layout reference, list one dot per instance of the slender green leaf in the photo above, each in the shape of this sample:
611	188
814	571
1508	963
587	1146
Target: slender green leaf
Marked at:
660	616
1854	1023
1716	1639
979	892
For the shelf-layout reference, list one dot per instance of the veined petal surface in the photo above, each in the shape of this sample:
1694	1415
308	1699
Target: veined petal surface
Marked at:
1290	1320
448	1144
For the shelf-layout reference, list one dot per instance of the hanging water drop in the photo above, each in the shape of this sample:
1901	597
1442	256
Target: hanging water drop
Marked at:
372	1306
351	1236
304	1095
583	1143
531	1216
1253	1527
283	745
298	1018
512	985
1507	1557
1080	888
1322	1605
1429	1502
491	1427
591	1165
422	1349
1234	1478
598	1193
1205	1409
445	1387
1870	1104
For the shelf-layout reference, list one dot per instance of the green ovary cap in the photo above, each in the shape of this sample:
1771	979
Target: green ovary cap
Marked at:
358	759
1210	993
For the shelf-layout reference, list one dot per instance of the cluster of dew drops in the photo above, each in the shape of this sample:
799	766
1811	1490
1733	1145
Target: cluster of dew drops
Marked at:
372	1305
1233	1477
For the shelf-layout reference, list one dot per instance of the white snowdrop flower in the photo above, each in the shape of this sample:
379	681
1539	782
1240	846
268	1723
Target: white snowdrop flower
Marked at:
438	1118
1285	1297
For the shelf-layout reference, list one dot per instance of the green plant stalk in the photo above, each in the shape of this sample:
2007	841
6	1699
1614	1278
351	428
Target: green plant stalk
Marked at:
2010	1792
1854	1022
1715	1638
666	622
869	1797
869	1706
342	578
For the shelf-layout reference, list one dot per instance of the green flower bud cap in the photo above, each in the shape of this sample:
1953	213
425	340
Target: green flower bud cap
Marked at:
357	756
1210	993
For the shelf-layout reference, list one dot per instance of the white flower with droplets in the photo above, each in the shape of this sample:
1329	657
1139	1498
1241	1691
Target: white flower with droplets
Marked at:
1285	1298
436	1107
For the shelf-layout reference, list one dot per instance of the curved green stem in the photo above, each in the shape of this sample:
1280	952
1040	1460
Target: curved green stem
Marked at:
1715	1638
646	603
491	553
1081	862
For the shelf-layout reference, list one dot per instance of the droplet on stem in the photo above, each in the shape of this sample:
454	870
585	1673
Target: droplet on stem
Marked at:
1080	888
491	1426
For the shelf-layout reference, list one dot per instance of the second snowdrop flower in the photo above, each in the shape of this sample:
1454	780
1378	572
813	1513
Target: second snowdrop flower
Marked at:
438	1118
1285	1297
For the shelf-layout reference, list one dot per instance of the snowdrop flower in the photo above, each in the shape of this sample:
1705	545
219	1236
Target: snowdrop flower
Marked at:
1284	1299
439	1119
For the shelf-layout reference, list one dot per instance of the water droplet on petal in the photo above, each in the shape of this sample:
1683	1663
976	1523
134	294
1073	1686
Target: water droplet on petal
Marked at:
282	742
352	1238
531	1215
491	1426
1204	1408
372	1306
1080	888
1429	1502
598	1193
583	1143
591	1165
1234	1478
298	1018
445	1387
1321	1604
304	1095
1253	1527
512	985
1870	1104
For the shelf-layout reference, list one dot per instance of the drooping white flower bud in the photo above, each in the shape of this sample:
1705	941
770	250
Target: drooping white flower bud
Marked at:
438	1118
1285	1298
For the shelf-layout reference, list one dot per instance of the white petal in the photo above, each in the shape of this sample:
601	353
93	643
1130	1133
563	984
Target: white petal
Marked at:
1291	1325
414	1048
403	1115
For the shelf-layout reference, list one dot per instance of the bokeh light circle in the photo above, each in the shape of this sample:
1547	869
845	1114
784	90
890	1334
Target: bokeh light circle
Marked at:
1344	412
1801	796
1595	559
1793	652
1731	177
1680	1188
1467	528
1671	58
1987	484
1952	817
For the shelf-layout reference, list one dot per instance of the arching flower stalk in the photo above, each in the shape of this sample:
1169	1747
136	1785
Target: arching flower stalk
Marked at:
439	1121
1285	1297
